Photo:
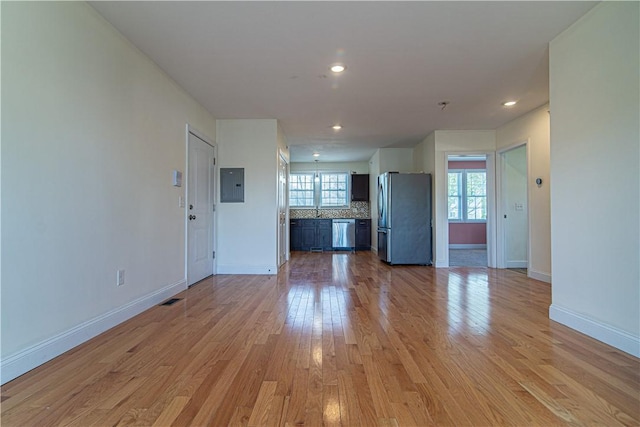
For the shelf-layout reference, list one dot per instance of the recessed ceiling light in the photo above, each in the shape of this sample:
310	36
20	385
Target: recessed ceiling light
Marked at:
336	127
338	68
316	154
509	103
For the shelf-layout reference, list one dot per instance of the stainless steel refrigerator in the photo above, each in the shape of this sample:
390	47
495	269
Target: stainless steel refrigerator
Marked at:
404	218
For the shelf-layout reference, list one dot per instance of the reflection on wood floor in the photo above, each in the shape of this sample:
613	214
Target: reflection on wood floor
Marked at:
338	339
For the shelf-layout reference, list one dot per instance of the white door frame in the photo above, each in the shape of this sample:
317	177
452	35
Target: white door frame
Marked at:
283	159
501	210
491	204
190	129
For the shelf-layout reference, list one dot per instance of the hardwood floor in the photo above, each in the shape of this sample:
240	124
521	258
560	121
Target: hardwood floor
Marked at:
338	339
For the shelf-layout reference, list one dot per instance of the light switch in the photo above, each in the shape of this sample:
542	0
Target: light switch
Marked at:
176	178
181	201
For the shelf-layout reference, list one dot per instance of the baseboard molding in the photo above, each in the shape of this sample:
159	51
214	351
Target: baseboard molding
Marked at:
19	363
517	264
543	277
247	269
607	334
467	246
440	264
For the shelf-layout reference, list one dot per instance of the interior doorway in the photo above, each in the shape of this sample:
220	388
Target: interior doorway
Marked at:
513	230
283	210
199	211
468	209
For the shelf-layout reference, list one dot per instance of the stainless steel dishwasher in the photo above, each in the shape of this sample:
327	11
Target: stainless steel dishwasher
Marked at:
344	234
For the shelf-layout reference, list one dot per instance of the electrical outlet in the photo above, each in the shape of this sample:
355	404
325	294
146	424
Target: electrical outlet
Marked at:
120	277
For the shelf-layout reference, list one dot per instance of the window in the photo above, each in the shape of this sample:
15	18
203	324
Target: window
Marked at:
301	190
467	195
333	187
328	190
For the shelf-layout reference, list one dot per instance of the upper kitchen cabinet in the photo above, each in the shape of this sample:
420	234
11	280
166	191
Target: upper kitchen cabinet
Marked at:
360	188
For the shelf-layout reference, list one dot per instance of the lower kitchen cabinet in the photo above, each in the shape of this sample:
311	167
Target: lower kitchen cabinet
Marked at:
324	235
363	234
310	234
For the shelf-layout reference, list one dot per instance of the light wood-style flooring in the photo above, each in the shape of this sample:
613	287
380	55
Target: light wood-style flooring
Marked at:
338	339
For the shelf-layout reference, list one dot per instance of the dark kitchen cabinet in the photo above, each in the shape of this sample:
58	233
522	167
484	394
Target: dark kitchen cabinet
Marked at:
363	234
310	234
360	188
295	234
324	234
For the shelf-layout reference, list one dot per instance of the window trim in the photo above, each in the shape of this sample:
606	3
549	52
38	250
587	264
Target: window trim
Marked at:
462	186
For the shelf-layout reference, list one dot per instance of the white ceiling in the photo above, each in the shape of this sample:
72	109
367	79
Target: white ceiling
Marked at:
254	60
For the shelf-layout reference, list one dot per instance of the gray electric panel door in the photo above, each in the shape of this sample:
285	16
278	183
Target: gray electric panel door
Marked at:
231	185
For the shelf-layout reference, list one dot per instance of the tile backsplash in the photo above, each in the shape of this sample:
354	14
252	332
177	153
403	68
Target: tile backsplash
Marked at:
359	210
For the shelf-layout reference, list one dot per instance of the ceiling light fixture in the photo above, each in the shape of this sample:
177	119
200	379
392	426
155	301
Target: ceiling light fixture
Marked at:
316	154
337	68
509	103
336	127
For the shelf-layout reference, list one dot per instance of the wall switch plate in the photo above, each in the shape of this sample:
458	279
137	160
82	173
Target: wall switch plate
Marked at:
180	201
120	277
176	178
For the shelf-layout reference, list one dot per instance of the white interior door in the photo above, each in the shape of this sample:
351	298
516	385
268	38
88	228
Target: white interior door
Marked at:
515	221
200	207
282	211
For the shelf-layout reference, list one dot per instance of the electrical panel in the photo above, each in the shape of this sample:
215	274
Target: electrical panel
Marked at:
231	185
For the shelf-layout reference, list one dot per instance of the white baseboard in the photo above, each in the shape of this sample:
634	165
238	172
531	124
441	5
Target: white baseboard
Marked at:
19	363
607	334
467	246
543	277
440	264
247	269
517	264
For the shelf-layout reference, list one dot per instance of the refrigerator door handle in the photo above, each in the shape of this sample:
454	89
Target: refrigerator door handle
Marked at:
380	230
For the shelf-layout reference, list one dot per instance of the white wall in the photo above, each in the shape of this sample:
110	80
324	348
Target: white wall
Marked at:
595	165
533	128
358	167
396	160
91	130
247	232
283	148
374	171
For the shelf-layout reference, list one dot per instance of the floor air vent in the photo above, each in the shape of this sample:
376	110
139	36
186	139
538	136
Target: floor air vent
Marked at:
171	301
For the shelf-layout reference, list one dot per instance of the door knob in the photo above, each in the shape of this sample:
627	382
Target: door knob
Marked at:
191	217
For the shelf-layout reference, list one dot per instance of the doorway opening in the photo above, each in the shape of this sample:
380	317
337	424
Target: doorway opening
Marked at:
467	210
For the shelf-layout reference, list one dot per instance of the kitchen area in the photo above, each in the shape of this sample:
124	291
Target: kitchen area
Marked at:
329	211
